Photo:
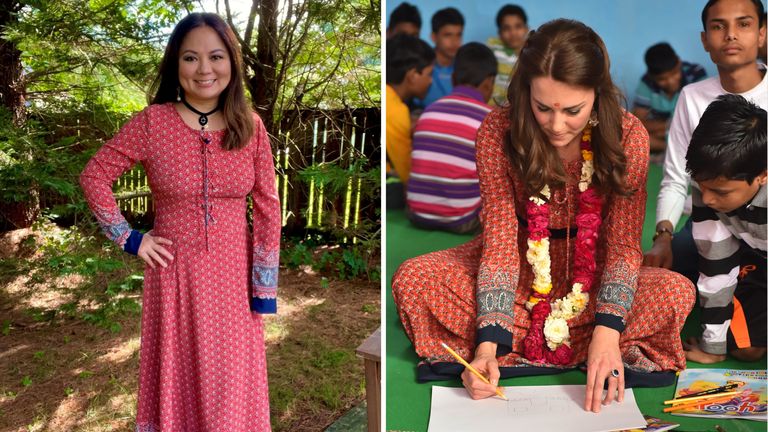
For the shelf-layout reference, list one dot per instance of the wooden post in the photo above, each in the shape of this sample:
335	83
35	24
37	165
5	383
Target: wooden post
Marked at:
370	351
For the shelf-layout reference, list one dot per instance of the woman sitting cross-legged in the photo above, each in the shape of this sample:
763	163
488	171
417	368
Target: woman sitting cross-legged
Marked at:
554	281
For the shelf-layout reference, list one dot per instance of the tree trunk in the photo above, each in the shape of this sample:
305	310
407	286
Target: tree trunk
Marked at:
263	83
19	214
11	81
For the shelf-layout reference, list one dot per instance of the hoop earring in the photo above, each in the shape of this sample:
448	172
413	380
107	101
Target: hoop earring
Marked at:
178	94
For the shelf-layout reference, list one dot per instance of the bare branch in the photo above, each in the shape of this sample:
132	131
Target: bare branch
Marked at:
251	19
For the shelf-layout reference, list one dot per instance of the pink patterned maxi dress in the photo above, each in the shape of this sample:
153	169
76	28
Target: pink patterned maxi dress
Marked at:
202	363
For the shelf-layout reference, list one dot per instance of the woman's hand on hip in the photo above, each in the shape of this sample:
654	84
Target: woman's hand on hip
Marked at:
485	363
151	250
603	358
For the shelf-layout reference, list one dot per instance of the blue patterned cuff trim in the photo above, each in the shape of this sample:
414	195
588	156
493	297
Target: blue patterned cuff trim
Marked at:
498	334
612	321
264	306
133	242
117	232
264	276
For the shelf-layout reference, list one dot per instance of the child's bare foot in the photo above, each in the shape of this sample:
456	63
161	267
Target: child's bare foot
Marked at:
694	353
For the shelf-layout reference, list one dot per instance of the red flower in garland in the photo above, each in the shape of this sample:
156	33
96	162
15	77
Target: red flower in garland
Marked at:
562	355
538	221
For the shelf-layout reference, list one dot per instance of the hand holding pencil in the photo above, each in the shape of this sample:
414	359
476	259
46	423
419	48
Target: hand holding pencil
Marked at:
477	384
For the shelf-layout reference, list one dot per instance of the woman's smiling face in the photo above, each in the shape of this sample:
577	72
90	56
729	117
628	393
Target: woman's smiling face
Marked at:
204	66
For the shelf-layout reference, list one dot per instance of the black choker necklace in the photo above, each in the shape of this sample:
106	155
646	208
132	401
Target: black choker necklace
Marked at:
203	120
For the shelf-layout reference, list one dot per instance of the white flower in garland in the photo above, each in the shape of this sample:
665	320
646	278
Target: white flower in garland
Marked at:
545	192
556	332
587	169
572	304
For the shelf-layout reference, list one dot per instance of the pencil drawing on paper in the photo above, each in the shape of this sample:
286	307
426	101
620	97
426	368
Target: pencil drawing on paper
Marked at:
525	404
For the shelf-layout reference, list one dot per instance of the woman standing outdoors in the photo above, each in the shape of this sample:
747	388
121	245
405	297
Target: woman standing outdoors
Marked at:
207	279
554	280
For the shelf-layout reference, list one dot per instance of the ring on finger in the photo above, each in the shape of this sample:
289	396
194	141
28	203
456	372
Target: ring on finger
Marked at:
615	373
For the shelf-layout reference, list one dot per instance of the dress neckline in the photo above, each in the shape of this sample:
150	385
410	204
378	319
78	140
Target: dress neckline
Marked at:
177	114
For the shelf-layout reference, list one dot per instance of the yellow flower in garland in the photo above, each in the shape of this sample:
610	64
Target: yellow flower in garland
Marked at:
588	166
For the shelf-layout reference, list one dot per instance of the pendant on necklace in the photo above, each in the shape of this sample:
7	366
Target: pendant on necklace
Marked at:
203	119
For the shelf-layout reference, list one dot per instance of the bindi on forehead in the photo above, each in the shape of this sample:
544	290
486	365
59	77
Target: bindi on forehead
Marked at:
557	104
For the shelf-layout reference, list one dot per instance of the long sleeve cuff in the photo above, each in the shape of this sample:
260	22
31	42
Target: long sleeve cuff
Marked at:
613	304
264	305
133	242
497	334
611	321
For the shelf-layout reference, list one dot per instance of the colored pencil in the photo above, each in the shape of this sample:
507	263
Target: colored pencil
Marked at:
716	390
473	370
698	403
687	399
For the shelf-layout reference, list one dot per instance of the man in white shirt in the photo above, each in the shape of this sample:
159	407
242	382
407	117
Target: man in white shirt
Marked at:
733	30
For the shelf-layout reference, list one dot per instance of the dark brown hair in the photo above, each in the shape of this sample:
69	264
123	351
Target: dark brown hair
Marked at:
572	53
234	107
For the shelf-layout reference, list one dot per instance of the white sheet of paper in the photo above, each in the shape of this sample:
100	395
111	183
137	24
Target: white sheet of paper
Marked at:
531	408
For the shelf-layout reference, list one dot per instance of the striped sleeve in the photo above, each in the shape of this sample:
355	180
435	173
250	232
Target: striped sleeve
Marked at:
718	252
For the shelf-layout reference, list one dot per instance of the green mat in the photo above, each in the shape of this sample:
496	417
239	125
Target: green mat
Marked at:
408	402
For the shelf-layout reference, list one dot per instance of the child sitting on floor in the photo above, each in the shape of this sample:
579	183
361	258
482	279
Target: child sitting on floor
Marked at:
727	159
658	90
443	190
409	74
512	23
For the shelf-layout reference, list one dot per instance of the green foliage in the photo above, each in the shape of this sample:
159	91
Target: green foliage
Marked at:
296	256
338	64
26	381
87	65
105	316
345	263
360	242
98	51
5	329
109	287
336	178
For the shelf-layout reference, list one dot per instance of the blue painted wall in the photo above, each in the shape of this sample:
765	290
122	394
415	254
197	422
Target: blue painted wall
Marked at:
628	27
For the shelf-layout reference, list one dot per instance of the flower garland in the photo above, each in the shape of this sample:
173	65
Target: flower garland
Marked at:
549	320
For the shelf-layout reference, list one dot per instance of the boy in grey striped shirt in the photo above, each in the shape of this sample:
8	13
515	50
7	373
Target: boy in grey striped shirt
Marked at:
727	160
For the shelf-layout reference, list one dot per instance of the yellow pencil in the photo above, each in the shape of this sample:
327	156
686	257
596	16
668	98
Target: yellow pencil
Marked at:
473	370
686	399
688	406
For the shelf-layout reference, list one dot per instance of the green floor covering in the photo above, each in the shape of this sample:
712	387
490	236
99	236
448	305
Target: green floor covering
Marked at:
408	402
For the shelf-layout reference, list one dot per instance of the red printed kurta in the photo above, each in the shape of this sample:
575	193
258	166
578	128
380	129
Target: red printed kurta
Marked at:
477	291
202	362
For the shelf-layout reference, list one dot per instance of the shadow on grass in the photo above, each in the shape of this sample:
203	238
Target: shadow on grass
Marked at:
314	374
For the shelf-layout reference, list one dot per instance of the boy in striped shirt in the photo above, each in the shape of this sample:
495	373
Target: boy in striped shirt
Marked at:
443	190
727	160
